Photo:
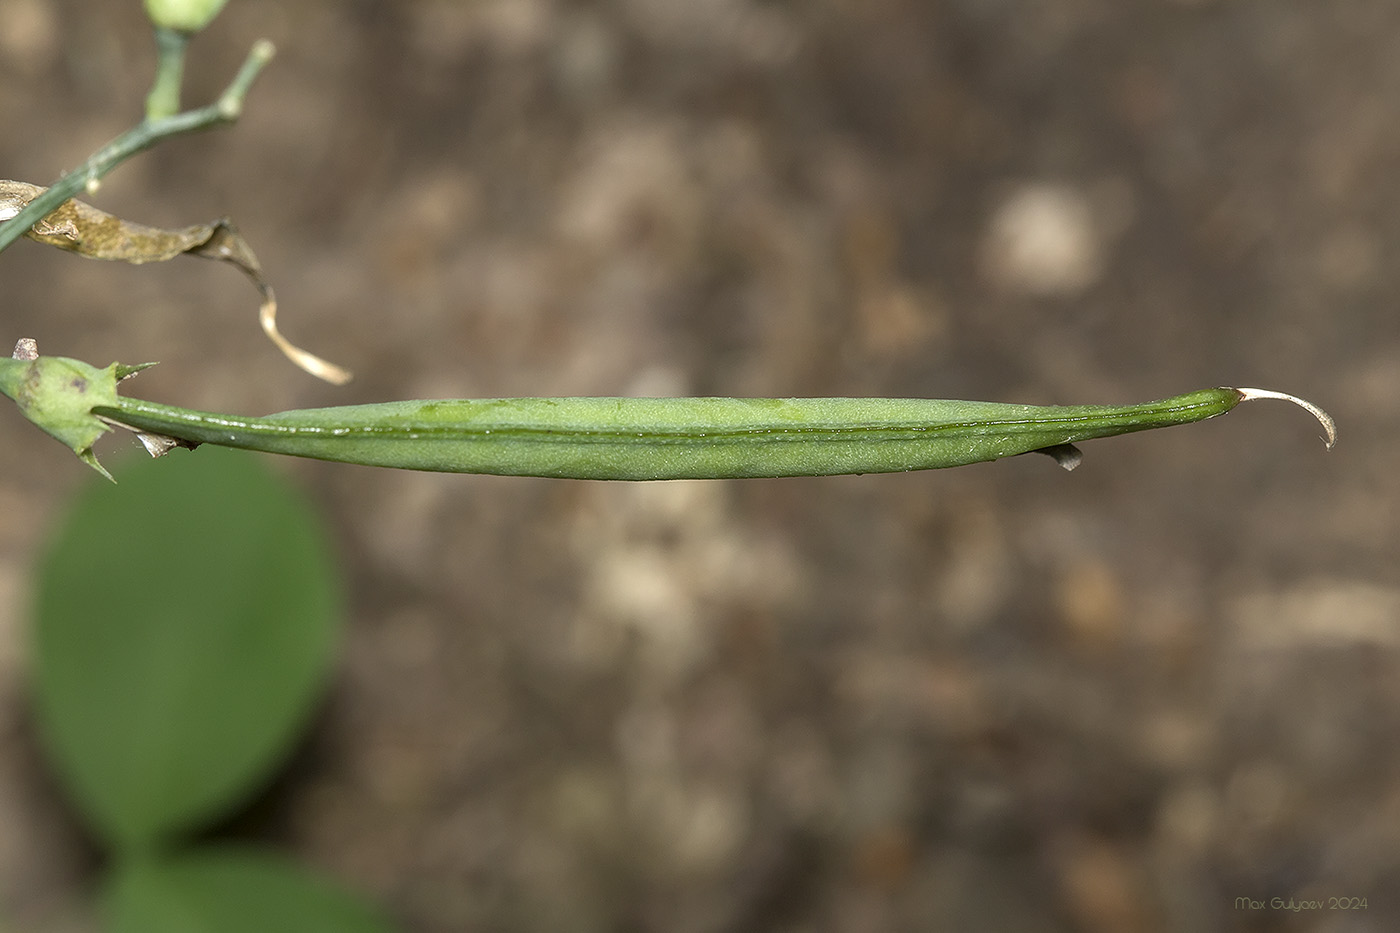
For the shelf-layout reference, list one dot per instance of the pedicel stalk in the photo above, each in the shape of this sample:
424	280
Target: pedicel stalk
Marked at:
606	438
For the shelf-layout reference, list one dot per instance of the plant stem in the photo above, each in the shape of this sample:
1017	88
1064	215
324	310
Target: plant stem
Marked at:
164	99
140	137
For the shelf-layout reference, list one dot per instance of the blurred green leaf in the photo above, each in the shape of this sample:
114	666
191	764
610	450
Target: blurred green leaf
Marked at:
231	890
185	621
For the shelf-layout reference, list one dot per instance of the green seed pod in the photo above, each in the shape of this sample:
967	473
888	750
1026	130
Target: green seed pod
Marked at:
670	438
183	15
609	438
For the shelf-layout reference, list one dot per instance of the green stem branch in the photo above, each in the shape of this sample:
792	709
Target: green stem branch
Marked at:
137	139
164	99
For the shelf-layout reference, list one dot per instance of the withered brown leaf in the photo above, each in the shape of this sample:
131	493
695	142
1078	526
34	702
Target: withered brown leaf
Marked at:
83	229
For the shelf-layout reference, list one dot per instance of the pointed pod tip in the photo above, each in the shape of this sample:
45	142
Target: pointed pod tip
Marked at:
1329	426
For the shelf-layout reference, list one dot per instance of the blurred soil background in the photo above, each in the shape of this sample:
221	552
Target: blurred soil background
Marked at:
1000	698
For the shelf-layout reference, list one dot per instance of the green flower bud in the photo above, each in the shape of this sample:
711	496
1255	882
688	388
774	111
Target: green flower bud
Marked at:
183	15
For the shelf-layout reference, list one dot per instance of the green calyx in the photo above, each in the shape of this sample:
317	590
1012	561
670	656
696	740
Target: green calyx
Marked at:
184	15
58	395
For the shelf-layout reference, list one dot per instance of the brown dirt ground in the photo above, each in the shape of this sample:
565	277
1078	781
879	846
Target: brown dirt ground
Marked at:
1001	698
